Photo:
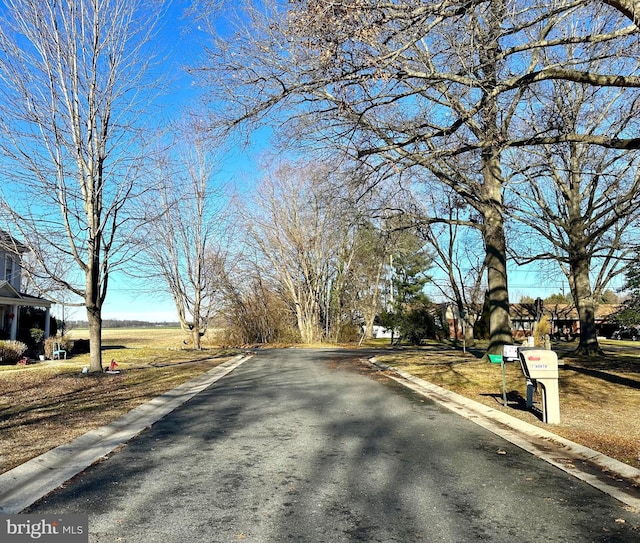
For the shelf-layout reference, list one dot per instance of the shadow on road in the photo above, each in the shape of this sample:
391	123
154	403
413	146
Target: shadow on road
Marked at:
313	446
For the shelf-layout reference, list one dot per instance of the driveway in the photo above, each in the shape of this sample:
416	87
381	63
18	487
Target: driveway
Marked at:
311	446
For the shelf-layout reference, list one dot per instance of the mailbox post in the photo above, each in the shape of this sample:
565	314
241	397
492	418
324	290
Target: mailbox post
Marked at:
541	366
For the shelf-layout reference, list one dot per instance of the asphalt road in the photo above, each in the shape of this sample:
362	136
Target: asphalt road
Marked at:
309	446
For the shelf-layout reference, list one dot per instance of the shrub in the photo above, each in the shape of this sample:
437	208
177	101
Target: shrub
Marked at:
80	346
11	351
37	336
348	333
419	324
542	329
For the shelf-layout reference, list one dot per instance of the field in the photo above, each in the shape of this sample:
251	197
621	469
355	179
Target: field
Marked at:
49	403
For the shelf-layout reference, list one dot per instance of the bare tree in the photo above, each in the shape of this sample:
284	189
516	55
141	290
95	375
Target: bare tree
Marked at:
421	85
580	200
450	227
372	248
297	228
185	240
253	309
73	81
360	288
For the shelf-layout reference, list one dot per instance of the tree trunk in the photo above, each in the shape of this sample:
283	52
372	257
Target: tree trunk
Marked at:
197	345
371	311
94	318
306	324
195	333
496	256
491	197
585	305
306	332
93	302
369	318
469	338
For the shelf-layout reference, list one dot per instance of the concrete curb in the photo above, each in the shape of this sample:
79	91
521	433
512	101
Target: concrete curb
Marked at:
616	478
27	483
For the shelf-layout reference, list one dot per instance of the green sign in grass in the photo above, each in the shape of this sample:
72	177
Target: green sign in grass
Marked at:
495	358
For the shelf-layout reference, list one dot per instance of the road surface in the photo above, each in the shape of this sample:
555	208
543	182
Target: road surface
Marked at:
311	446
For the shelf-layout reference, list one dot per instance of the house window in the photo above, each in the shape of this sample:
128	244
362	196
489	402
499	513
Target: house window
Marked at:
8	268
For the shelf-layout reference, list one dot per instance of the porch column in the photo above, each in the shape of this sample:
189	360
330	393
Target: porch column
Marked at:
47	323
14	322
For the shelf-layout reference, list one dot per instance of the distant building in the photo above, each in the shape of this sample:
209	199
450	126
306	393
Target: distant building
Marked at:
563	318
382	332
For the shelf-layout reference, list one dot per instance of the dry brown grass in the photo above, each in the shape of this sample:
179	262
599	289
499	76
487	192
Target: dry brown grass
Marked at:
50	403
599	397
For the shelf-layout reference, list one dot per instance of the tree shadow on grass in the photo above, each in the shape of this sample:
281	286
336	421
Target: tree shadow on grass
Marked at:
605	376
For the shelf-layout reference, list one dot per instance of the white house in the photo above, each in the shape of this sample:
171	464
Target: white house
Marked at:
12	301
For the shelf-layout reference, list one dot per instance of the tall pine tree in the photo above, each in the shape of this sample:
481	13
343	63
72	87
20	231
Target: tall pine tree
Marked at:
409	312
630	313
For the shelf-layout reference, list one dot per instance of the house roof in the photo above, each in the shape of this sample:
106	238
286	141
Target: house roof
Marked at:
10	244
558	311
10	296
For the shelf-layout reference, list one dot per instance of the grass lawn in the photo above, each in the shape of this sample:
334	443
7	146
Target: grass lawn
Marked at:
49	403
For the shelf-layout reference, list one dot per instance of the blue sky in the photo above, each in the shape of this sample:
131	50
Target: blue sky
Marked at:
129	299
179	43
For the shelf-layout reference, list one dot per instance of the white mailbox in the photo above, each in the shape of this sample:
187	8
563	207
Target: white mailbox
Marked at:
541	367
540	364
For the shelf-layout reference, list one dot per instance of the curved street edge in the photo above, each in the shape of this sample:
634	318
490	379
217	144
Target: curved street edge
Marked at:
27	483
611	476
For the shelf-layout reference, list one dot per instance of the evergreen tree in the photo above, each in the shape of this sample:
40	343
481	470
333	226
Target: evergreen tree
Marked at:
409	311
630	313
559	298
